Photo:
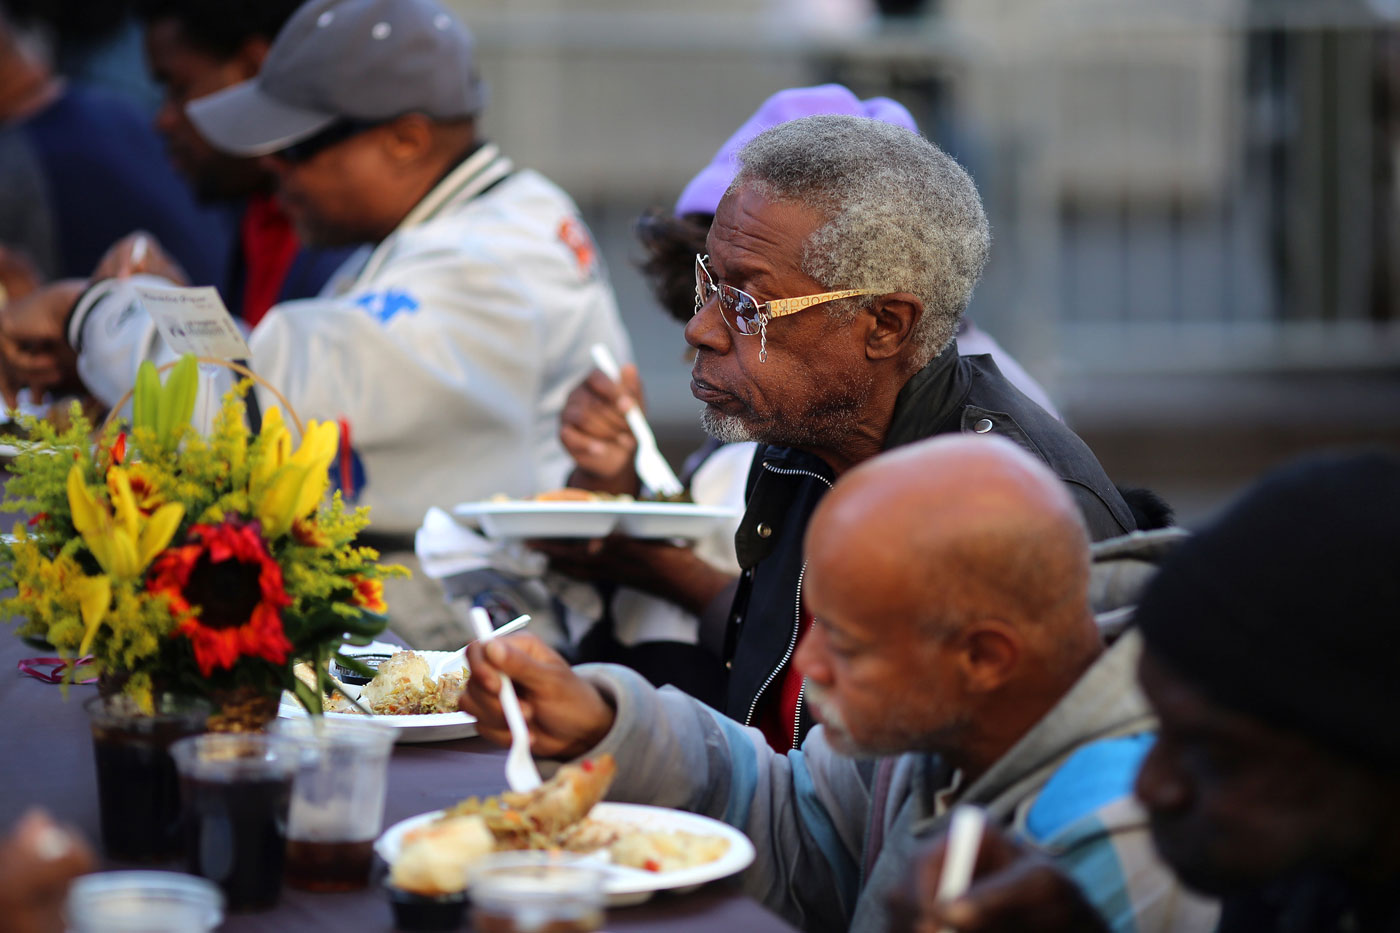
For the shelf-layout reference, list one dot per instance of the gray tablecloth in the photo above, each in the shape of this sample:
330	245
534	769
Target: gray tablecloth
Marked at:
47	761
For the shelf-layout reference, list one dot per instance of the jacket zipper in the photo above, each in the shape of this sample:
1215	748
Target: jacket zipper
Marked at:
802	688
787	655
796	624
786	471
797	719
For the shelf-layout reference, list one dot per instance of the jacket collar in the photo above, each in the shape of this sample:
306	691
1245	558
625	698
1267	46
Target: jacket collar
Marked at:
479	171
931	400
471	177
1104	703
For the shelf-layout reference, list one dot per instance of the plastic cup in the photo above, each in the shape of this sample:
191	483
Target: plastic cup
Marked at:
337	801
235	791
138	789
535	892
143	902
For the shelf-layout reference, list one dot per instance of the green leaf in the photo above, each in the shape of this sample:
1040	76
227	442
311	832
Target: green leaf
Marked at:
369	623
354	665
309	699
178	398
145	401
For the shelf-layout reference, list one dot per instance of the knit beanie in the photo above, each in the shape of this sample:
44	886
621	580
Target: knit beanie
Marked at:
1287	608
702	194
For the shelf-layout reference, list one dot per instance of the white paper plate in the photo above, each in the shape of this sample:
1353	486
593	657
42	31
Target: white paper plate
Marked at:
528	519
627	885
428	727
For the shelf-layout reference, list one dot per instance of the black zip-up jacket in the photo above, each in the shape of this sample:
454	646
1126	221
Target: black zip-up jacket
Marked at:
950	394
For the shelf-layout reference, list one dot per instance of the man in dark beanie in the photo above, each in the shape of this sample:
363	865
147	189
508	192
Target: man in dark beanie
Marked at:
1271	642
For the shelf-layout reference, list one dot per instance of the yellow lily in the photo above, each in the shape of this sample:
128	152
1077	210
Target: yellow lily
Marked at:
295	486
94	598
126	542
275	450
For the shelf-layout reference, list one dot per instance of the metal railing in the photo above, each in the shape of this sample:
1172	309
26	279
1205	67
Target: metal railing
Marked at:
1212	185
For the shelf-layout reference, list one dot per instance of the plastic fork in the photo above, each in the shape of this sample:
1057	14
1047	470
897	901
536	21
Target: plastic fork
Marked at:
965	828
521	773
455	660
653	469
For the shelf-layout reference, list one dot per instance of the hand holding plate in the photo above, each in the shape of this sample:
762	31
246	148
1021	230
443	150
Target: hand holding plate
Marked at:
661	568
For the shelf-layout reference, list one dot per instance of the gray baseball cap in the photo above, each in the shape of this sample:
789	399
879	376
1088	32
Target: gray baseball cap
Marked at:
366	60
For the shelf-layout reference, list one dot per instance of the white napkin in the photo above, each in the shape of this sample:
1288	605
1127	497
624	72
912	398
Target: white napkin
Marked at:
445	548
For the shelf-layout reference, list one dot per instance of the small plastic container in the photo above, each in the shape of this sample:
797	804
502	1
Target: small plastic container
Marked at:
536	892
421	913
144	902
347	676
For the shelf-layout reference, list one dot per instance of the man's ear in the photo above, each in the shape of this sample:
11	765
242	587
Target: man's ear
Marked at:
408	139
247	61
894	317
990	654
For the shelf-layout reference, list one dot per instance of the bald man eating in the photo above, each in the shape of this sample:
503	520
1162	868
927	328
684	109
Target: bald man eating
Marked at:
953	658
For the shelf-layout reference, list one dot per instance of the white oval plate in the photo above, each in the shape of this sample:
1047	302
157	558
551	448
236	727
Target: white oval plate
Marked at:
624	885
428	727
529	519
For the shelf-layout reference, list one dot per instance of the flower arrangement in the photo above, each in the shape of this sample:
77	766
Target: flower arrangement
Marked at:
175	561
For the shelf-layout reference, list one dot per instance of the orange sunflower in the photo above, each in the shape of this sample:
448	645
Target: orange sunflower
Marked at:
228	594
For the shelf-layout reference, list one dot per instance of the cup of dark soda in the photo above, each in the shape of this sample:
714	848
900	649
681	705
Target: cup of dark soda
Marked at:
236	789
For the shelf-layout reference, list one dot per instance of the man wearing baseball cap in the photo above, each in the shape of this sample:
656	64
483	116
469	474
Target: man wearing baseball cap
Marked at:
449	347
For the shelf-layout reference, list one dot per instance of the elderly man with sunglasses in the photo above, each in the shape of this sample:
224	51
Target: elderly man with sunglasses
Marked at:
448	349
839	264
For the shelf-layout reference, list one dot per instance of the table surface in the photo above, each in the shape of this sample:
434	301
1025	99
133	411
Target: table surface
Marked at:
48	762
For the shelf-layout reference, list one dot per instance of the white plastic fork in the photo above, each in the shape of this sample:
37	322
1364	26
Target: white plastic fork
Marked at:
965	828
652	468
521	773
457	659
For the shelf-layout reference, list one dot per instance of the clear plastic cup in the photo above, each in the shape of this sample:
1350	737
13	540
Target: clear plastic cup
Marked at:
138	790
143	902
535	892
235	790
337	801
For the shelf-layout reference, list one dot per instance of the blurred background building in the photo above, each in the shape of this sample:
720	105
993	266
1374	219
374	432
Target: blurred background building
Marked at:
1195	203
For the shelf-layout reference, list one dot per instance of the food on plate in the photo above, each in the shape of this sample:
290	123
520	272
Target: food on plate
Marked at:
552	817
567	494
305	673
572	494
534	820
402	686
435	858
666	851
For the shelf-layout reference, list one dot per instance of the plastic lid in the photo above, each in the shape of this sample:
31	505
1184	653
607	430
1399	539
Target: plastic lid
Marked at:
145	901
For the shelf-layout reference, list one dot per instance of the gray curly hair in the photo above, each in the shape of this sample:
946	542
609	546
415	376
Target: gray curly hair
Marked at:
902	215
